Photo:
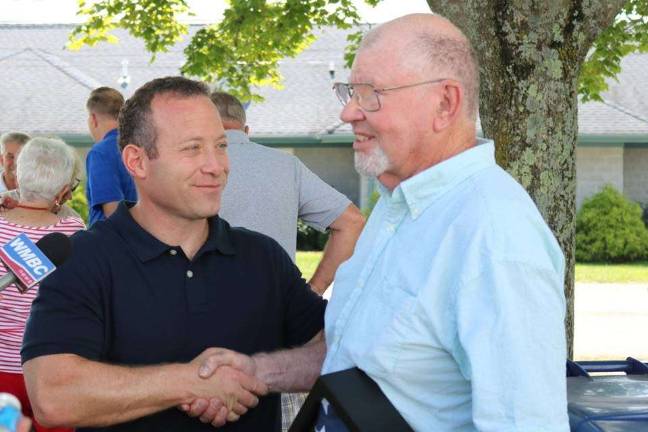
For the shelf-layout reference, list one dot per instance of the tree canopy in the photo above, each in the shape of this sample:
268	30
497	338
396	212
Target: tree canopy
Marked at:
244	49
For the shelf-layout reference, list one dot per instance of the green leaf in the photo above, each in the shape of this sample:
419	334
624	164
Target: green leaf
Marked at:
241	53
627	35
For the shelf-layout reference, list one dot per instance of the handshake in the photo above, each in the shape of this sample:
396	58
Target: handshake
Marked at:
225	385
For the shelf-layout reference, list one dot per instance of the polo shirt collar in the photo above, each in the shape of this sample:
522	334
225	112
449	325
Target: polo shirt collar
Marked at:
235	136
421	190
147	247
110	133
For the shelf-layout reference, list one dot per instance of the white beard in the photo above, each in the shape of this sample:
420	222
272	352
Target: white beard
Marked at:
371	164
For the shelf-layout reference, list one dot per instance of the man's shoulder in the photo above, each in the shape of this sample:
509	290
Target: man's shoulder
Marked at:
502	197
242	235
501	214
106	146
93	253
252	149
97	240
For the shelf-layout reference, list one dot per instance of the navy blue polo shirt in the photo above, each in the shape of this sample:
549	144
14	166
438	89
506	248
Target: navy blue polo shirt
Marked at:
124	297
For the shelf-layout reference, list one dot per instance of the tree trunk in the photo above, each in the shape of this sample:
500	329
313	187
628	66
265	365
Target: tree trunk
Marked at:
530	54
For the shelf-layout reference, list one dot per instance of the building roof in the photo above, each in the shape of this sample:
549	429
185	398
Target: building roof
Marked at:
43	86
631	89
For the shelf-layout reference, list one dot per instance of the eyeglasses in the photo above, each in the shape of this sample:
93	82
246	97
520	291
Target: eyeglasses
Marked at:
75	184
367	95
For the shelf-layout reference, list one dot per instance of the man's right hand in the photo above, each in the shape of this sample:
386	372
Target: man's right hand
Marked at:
225	395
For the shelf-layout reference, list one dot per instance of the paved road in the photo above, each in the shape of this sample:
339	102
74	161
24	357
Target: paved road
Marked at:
611	321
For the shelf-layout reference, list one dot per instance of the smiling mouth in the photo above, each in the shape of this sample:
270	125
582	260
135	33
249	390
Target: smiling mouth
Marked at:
361	140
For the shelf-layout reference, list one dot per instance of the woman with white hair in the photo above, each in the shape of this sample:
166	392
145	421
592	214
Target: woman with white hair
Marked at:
47	173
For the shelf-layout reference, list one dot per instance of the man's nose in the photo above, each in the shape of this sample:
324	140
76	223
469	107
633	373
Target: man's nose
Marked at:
351	111
215	162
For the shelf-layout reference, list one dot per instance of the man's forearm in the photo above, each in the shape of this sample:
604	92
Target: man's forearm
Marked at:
88	393
345	231
293	370
69	390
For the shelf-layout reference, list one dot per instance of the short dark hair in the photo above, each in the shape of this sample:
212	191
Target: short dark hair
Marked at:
229	107
106	101
135	122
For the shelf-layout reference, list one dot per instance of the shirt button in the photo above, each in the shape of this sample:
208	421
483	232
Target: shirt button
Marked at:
173	252
189	274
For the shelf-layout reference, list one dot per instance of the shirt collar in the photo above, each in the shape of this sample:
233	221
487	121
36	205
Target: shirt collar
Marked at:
421	190
235	136
147	247
110	133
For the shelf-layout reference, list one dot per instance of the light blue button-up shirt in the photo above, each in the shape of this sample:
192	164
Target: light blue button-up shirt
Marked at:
453	302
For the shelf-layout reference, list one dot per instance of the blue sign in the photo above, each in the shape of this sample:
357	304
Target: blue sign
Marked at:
25	260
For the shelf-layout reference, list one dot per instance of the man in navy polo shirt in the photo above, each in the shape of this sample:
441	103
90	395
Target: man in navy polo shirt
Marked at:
118	333
108	181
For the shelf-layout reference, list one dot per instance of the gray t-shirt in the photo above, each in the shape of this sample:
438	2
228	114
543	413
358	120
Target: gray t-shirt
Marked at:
268	190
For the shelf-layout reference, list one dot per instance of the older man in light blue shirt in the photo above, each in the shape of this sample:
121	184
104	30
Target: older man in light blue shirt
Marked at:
453	300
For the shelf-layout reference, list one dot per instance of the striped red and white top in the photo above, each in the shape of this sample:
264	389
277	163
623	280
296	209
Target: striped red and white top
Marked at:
15	307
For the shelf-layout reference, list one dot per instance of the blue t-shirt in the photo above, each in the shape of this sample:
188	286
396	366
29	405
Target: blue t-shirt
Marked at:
108	179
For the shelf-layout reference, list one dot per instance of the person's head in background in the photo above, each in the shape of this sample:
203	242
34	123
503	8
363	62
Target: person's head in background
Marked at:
47	173
231	111
103	107
10	145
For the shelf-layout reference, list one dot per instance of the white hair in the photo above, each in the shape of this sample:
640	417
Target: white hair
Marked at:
44	167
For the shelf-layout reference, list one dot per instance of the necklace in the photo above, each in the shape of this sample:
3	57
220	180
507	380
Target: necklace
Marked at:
31	207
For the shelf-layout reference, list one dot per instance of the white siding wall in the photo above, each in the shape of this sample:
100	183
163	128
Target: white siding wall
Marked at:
335	167
596	167
635	177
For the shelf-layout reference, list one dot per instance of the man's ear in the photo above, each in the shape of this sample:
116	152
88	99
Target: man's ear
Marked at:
93	120
136	161
450	105
246	130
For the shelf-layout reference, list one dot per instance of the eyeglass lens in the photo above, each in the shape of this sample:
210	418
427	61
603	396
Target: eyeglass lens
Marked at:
364	94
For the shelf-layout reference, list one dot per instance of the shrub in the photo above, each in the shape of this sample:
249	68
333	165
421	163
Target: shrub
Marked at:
309	239
79	202
373	199
609	228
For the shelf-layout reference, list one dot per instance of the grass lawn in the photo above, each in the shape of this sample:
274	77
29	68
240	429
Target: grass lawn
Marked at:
307	263
619	273
635	272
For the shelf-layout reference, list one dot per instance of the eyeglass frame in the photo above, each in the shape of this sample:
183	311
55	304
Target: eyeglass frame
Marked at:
377	91
75	184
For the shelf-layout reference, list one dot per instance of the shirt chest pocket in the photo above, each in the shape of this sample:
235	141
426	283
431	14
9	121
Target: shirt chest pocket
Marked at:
394	314
397	294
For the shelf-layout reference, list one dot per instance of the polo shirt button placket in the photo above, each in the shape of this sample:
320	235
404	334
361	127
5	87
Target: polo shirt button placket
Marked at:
189	274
